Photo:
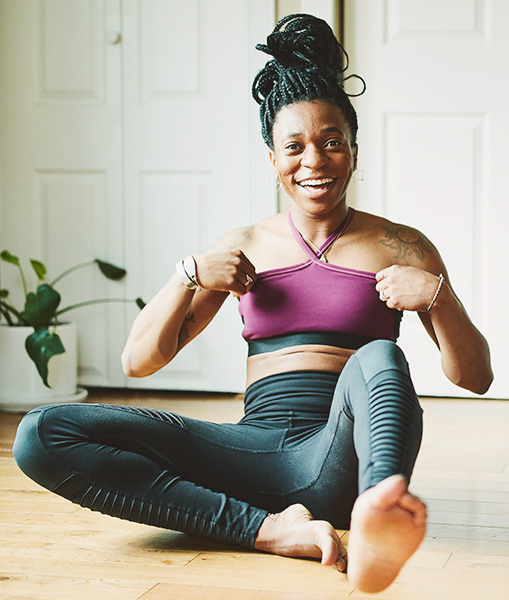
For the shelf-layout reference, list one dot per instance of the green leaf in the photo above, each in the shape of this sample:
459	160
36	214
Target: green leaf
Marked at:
41	306
10	258
41	346
39	268
140	304
110	271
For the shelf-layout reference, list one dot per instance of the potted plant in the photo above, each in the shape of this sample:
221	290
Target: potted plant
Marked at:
44	335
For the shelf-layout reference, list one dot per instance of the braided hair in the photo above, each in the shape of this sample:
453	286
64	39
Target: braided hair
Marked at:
308	64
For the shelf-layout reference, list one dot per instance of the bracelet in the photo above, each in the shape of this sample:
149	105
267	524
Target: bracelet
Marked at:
186	270
440	283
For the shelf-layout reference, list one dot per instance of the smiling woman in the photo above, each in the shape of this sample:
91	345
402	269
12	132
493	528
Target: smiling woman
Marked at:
314	163
332	424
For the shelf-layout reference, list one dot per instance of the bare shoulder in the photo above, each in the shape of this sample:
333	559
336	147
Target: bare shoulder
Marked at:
246	237
399	243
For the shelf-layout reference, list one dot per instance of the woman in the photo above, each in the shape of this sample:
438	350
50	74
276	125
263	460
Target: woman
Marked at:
332	424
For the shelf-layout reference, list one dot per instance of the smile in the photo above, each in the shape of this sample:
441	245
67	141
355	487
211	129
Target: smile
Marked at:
316	183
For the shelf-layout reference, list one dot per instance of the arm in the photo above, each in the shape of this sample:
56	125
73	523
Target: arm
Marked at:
464	351
177	314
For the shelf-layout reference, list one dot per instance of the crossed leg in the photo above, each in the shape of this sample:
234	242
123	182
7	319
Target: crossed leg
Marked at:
387	522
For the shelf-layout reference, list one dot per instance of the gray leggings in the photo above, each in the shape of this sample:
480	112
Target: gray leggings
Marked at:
307	437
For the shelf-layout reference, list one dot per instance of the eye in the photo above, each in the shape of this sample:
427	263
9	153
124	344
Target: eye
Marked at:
292	146
334	143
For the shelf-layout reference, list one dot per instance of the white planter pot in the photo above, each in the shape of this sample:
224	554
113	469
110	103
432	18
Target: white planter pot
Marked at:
21	387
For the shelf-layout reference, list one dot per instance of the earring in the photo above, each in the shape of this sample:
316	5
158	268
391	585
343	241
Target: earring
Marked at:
278	183
358	175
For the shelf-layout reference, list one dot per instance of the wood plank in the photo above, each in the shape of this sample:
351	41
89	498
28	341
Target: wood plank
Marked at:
425	467
111	545
473	495
467	484
442	584
484	508
163	591
469	532
14	586
471	519
451	544
482	562
324	580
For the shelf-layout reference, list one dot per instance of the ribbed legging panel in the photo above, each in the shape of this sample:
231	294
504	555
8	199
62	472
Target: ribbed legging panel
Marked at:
119	505
391	411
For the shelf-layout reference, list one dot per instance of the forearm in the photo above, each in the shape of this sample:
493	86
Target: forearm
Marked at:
464	350
154	337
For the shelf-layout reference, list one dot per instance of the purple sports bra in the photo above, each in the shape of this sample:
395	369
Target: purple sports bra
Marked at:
315	302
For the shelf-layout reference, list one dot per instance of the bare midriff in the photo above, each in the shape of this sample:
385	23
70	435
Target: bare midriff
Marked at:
297	358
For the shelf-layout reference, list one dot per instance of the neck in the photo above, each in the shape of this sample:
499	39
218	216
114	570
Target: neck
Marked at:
317	228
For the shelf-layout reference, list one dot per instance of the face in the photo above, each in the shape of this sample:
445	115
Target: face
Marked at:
313	155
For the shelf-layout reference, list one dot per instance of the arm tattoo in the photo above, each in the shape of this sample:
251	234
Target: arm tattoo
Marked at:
184	334
404	241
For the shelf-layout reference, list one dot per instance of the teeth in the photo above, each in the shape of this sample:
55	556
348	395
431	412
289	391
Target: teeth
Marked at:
315	181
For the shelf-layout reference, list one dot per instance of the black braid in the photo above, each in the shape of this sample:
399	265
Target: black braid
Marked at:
308	65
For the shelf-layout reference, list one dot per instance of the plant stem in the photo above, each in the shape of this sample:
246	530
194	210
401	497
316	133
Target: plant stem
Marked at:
23	280
88	302
80	266
7	308
6	316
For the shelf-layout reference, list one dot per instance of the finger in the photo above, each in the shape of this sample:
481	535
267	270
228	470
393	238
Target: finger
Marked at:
240	285
394	305
247	262
249	271
380	275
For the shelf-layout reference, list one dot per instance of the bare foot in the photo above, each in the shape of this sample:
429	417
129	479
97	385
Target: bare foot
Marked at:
388	524
294	532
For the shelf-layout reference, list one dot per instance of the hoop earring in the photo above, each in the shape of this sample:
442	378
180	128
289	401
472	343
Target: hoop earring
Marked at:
277	183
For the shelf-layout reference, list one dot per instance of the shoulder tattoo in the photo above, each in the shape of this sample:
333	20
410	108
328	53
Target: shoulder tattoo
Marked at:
404	241
238	237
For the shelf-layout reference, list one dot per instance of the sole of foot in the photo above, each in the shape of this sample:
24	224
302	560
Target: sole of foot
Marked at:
387	526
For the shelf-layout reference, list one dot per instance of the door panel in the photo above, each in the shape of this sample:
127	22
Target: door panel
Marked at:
189	122
60	178
432	136
128	134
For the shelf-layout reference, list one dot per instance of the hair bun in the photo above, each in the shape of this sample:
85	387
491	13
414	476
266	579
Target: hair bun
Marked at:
302	40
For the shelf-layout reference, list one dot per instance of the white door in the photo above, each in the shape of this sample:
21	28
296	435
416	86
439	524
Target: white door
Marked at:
128	133
195	165
433	138
60	158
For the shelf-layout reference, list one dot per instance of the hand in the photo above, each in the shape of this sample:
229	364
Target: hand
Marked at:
229	271
406	288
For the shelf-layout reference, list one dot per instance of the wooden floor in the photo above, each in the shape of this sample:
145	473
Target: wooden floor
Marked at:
51	548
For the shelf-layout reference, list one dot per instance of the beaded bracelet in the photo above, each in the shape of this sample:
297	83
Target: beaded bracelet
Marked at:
440	283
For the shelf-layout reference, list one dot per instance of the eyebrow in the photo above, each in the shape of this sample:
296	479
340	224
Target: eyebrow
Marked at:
332	129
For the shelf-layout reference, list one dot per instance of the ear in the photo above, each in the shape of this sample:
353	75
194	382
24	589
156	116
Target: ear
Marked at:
354	157
272	157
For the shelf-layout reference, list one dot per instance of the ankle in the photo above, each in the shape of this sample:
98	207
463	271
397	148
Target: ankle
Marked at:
267	533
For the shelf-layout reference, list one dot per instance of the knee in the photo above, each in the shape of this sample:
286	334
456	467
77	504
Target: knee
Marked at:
27	443
30	450
379	356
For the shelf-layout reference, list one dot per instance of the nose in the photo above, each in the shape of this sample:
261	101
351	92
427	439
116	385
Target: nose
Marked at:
313	157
